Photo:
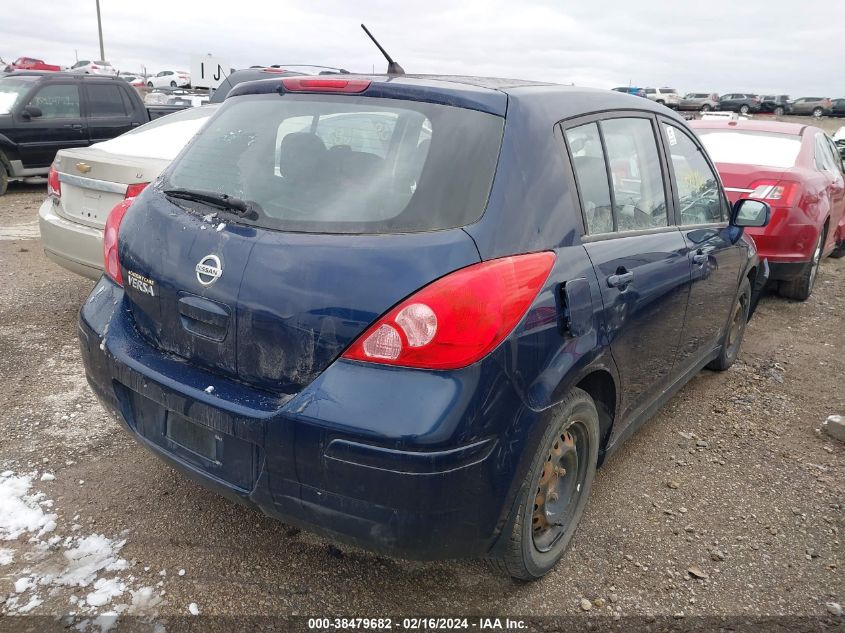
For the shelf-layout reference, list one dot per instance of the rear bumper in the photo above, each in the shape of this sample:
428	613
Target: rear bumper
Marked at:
71	245
298	458
787	242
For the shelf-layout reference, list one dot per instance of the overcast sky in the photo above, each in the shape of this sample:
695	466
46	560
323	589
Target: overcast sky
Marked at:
705	45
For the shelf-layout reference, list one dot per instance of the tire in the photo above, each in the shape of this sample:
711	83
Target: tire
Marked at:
779	111
818	112
839	251
801	287
706	107
4	179
149	84
530	549
744	109
172	84
736	329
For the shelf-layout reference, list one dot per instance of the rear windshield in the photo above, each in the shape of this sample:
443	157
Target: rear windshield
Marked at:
751	148
346	164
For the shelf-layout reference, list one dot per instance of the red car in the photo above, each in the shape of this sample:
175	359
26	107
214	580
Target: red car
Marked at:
798	171
30	63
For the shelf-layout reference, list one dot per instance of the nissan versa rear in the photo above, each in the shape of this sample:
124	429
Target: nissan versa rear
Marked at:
414	313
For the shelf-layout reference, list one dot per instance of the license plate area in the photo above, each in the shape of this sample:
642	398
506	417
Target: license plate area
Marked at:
219	455
201	441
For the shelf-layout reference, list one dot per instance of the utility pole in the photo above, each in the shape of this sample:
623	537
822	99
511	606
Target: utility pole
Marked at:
100	30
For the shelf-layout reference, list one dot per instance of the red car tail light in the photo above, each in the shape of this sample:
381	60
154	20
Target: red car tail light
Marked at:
134	190
306	84
458	319
54	186
780	191
111	264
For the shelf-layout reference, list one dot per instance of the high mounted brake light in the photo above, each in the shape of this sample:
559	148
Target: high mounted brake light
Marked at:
458	319
308	84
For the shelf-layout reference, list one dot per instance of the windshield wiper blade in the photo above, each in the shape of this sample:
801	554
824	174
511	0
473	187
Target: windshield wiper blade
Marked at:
224	201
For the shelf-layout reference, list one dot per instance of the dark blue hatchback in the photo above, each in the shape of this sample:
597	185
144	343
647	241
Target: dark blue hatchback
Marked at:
415	313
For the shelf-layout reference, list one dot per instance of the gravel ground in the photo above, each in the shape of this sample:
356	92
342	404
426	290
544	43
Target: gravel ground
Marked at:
730	482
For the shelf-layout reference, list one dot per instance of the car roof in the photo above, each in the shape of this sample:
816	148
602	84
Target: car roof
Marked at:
772	127
489	94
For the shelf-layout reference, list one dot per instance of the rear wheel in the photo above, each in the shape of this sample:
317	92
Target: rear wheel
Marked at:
736	329
172	84
779	111
554	493
744	109
4	179
149	84
706	107
801	287
818	112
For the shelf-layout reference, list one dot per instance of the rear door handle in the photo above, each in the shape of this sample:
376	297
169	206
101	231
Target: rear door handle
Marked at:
75	126
621	279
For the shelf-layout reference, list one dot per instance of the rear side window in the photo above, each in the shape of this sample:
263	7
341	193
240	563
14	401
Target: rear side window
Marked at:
341	164
699	196
105	101
585	146
621	187
57	101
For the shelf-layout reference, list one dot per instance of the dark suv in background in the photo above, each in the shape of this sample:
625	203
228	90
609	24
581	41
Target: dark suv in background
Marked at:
776	104
43	112
741	102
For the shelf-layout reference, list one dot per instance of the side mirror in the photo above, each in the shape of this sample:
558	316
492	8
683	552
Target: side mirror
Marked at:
31	112
840	145
750	213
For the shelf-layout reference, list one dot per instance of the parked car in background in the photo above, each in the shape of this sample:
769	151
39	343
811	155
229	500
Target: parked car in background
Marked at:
226	335
776	104
84	185
630	90
30	63
169	79
797	170
837	107
701	101
136	81
93	68
664	96
43	112
815	106
742	102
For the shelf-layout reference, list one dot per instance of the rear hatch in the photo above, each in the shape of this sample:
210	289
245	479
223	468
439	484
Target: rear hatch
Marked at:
359	201
93	181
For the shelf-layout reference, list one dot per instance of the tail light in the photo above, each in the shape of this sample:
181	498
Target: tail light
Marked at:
111	264
458	319
304	84
781	191
54	186
134	190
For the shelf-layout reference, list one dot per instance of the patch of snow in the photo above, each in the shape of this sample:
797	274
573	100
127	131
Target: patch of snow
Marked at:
193	608
22	584
91	555
20	512
6	556
209	389
221	226
34	601
48	477
104	590
181	572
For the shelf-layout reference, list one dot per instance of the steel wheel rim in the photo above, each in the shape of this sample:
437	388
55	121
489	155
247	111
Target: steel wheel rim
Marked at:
560	485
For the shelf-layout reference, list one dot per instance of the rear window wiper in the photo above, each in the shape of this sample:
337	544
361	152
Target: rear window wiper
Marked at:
241	208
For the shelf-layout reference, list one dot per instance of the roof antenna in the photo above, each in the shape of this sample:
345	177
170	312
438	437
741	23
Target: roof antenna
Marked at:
392	67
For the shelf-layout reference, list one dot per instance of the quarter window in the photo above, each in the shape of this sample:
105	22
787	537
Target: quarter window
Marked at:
59	101
588	161
699	195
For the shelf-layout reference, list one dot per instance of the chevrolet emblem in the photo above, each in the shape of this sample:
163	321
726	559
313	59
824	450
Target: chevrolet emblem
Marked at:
83	167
